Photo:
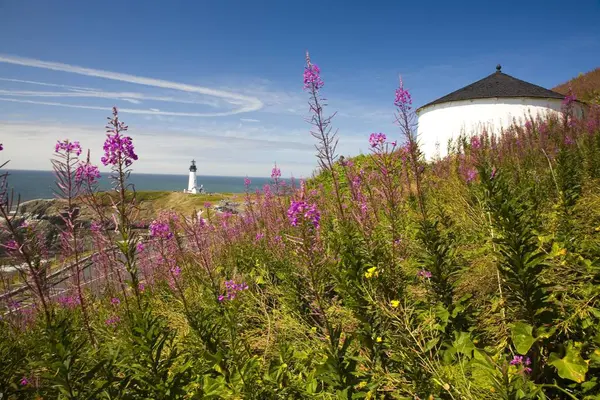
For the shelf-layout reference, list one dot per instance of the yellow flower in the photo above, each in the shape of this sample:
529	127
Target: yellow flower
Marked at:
371	272
361	385
562	252
394	303
379	339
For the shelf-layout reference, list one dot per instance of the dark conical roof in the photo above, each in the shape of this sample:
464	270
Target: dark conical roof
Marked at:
497	84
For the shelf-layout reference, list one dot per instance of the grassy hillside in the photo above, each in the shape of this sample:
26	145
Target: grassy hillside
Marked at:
585	86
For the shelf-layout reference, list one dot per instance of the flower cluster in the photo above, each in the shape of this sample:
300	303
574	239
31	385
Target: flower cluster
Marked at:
371	272
275	172
424	274
115	301
95	226
303	209
160	230
112	321
522	361
471	175
68	147
403	98
231	290
377	139
475	143
12	245
247	182
68	301
312	77
118	148
569	99
87	173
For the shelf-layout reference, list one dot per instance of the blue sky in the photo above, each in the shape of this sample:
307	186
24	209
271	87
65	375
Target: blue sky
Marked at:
221	81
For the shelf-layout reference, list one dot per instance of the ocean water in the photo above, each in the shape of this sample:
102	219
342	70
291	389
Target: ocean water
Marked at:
41	184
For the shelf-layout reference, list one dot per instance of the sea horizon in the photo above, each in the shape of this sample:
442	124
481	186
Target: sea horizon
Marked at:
41	184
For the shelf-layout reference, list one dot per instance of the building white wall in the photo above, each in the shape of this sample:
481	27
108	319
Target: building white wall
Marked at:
439	123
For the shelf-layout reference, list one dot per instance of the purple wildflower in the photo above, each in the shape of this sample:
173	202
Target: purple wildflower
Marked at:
569	141
176	271
403	99
259	236
12	245
475	143
247	182
569	99
312	77
118	148
140	247
424	274
68	147
160	230
68	301
141	287
231	290
471	175
87	173
303	209
517	360
522	361
24	381
115	301
112	321
377	139
95	226
275	172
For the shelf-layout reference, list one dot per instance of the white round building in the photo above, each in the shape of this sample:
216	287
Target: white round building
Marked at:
492	103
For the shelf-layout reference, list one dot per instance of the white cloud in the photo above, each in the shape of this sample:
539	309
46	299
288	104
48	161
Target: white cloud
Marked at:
244	103
249	120
222	152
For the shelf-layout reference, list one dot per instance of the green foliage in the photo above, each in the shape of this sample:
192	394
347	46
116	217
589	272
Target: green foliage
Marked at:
478	280
521	261
153	365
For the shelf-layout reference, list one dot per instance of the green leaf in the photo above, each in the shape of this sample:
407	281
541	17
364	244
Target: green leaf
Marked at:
522	337
463	344
571	366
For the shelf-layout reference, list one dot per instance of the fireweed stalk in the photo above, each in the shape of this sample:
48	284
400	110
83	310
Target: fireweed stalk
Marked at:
69	176
385	159
105	252
326	139
26	247
119	154
305	217
405	118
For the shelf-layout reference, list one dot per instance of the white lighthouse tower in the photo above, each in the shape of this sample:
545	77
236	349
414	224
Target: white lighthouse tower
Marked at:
193	182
